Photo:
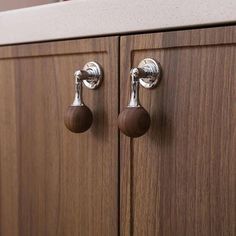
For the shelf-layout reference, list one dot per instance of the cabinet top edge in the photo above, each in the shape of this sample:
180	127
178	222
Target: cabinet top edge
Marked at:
80	19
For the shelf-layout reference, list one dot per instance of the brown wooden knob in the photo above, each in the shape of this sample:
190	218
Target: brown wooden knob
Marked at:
134	121
78	119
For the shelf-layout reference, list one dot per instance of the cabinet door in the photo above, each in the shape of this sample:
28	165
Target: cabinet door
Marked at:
52	181
180	177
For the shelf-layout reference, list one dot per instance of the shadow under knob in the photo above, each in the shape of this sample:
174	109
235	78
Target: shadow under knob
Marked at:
134	121
78	119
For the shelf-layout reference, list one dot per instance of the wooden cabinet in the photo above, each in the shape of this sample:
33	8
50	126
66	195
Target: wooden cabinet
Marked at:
178	179
54	182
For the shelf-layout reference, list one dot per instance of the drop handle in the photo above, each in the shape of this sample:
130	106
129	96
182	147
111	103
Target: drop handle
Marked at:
78	117
134	121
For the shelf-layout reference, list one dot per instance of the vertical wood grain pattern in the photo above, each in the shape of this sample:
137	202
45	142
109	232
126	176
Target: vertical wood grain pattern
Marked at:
8	152
54	182
184	169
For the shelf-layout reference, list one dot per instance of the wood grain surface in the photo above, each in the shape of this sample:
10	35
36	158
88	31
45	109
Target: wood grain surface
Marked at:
180	178
78	119
54	182
134	121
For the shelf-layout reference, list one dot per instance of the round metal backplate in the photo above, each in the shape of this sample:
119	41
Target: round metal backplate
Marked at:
97	72
154	69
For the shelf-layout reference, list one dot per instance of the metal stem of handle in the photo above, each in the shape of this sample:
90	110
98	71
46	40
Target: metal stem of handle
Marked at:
78	101
134	97
91	76
148	74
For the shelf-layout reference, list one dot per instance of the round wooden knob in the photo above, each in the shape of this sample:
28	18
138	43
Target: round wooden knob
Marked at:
78	119
134	121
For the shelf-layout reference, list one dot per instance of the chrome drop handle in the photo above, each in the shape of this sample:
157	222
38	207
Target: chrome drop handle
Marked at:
78	117
134	121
